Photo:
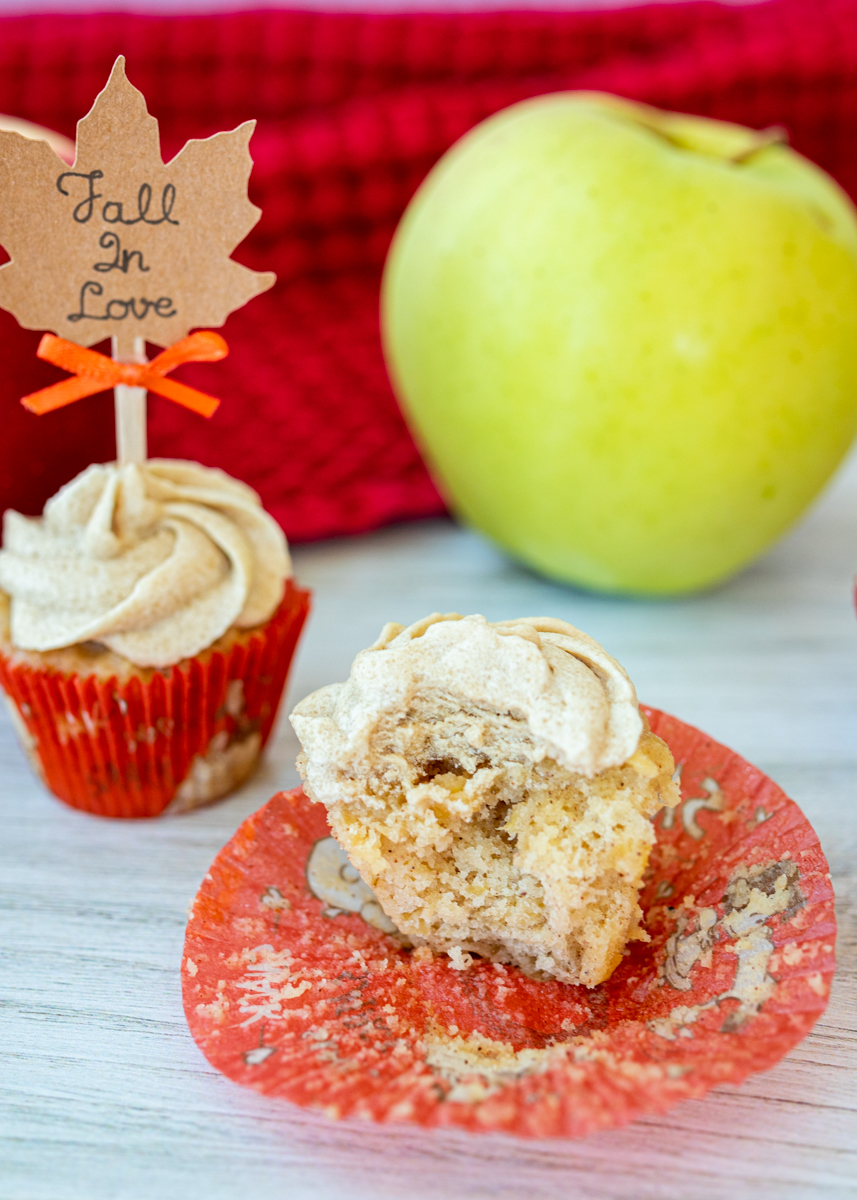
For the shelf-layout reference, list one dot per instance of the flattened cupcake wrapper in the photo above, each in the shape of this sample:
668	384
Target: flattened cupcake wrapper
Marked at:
292	986
185	736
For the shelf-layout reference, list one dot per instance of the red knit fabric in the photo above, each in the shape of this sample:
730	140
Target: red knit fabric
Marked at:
353	110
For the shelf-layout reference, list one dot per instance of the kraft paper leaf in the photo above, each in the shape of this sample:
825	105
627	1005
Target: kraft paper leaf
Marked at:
120	244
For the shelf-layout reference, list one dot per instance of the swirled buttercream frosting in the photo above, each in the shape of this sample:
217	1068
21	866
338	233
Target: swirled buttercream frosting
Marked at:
155	561
569	700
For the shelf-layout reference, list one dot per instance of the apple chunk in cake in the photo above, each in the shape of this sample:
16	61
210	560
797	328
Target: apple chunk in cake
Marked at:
494	784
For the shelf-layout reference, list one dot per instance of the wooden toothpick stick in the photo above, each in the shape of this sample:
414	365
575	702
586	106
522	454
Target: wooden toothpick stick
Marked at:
130	404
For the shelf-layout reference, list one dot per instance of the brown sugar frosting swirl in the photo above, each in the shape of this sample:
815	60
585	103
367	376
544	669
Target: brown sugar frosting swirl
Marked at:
155	561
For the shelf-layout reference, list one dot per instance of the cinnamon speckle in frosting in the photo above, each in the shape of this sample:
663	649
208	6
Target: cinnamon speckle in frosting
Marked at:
493	783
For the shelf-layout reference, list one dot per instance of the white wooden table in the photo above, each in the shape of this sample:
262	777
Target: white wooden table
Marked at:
103	1094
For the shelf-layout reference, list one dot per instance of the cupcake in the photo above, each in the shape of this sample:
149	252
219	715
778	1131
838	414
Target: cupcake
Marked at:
494	784
147	623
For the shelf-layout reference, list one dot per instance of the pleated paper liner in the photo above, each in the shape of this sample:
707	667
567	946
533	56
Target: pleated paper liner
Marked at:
292	987
178	739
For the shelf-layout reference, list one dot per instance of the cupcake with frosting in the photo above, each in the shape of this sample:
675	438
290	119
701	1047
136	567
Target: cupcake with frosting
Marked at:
147	623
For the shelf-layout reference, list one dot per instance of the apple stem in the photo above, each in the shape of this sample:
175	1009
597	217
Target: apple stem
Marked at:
774	135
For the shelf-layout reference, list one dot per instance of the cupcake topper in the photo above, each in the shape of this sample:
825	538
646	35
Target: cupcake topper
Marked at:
121	245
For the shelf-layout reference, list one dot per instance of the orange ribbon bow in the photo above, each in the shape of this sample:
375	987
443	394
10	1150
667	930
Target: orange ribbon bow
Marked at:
94	372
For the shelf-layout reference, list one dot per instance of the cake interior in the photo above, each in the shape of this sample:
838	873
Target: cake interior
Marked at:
474	847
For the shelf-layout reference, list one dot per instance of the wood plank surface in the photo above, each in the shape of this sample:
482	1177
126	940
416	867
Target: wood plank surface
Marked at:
104	1096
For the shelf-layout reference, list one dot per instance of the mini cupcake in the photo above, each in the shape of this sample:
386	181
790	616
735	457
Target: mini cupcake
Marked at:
147	624
494	785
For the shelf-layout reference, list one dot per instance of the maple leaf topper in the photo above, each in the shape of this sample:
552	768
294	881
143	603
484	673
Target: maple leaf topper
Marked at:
120	244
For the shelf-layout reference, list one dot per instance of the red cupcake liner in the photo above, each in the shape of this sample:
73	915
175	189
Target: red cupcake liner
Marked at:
124	749
295	994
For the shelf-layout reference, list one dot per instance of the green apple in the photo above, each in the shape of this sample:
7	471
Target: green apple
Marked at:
626	339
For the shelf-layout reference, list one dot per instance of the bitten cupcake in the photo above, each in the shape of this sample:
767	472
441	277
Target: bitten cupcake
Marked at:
147	623
494	784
